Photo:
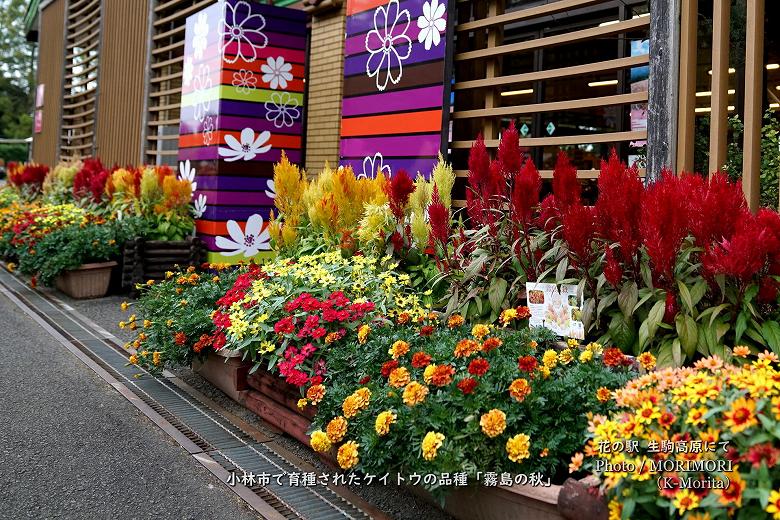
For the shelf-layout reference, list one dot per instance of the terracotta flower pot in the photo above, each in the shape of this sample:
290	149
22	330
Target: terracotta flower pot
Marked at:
87	281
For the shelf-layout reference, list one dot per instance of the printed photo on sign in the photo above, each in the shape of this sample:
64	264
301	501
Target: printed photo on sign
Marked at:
558	308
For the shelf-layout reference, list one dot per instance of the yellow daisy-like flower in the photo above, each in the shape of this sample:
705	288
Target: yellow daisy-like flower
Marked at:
156	358
414	393
696	415
399	377
383	422
773	507
615	509
320	442
336	429
347	456
480	330
493	423
168	275
647	413
741	351
518	447
398	349
431	444
685	500
122	324
741	416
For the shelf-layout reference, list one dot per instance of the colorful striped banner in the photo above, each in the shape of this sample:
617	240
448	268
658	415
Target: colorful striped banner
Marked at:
396	87
241	106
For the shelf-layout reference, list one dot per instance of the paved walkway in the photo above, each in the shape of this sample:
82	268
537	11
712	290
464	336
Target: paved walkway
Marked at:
73	447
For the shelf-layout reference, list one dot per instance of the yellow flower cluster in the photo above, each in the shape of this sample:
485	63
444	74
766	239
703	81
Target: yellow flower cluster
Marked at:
356	402
431	444
399	377
320	441
415	393
398	349
337	429
518	447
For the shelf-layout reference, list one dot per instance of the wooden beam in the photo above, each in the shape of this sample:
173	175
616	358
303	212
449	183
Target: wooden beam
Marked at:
492	68
754	88
564	139
572	104
526	14
686	113
721	11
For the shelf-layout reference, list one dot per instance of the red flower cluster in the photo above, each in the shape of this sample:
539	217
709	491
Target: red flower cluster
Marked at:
478	367
399	189
27	174
421	360
467	385
439	217
90	181
388	367
614	357
527	364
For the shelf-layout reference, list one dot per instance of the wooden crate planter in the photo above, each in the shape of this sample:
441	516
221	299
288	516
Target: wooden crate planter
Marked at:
150	259
226	372
88	281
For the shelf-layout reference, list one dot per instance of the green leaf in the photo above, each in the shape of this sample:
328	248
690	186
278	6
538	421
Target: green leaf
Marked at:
560	271
739	327
676	352
497	293
770	330
697	292
627	299
688	333
685	296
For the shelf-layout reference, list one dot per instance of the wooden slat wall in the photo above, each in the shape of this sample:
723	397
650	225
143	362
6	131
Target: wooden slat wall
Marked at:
323	108
165	70
482	61
45	144
79	91
122	79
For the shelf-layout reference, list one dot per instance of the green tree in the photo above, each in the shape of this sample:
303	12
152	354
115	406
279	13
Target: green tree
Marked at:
18	78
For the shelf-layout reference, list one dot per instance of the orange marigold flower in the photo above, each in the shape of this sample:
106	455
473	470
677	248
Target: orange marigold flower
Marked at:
399	377
351	406
337	429
315	393
466	347
519	389
646	360
603	394
442	375
414	393
421	360
454	321
404	318
480	331
180	338
491	344
398	349
347	456
493	423
613	357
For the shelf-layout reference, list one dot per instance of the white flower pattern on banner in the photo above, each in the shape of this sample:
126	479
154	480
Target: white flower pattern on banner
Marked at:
208	130
270	189
372	165
282	110
201	83
250	241
249	147
188	70
244	81
200	206
200	38
187	173
382	42
236	31
276	72
431	23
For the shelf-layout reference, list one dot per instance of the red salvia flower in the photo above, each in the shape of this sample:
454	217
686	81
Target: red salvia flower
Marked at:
398	191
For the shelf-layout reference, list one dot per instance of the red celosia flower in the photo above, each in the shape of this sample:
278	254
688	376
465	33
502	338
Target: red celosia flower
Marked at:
618	208
90	180
715	207
388	367
579	231
744	254
398	189
770	220
767	289
671	308
467	385
439	217
421	360
509	151
527	363
478	366
566	187
525	192
486	184
612	270
613	357
549	216
664	224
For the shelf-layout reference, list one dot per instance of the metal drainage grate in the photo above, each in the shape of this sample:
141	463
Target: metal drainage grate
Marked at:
230	446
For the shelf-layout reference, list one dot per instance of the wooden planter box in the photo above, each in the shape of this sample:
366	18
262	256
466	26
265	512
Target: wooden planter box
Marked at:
88	281
150	259
226	372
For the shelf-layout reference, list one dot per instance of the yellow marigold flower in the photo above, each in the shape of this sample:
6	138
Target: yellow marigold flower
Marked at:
179	290
646	360
428	373
493	423
156	358
507	315
337	429
533	344
685	500
594	347
466	347
454	321
347	456
133	359
11	267
169	323
518	447
431	444
565	356
183	303
363	332
741	416
571	342
545	371
550	358
364	396
147	324
124	306
414	393
302	403
741	351
696	415
479	331
351	406
131	318
133	325
136	344
615	510
150	282
519	389
315	393
215	279
398	349
320	441
383	422
399	377
773	507
332	337
603	394
576	462
168	275
585	356
191	269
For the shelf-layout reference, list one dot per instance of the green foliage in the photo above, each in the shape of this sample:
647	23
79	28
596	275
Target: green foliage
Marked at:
770	157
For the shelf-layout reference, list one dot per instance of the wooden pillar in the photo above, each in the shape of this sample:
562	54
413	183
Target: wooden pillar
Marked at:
664	80
686	114
721	11
754	87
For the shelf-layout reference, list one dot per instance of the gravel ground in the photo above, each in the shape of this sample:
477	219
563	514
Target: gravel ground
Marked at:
395	501
73	447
